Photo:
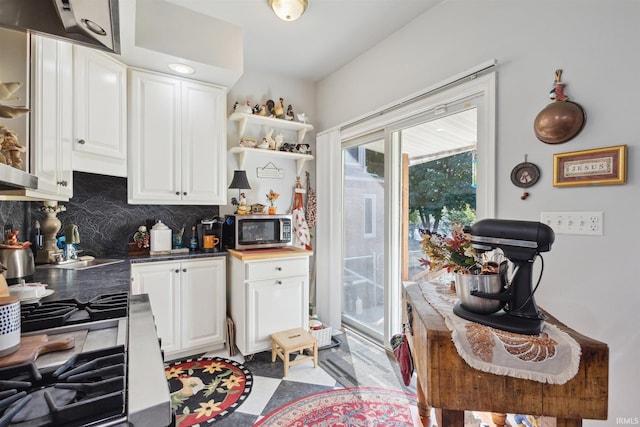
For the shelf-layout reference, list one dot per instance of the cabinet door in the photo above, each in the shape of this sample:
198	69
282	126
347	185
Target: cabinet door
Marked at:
204	171
100	94
52	116
203	303
273	306
154	155
161	281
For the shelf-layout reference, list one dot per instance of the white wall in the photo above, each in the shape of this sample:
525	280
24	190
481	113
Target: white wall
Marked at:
589	283
257	88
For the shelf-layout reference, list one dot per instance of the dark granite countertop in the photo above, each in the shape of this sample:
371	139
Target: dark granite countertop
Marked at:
113	278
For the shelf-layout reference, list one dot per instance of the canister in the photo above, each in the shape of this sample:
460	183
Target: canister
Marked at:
9	325
160	238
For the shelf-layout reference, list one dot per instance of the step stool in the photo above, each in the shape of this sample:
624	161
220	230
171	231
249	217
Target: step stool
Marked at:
286	342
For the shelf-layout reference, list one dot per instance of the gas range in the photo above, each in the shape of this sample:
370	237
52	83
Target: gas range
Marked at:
82	386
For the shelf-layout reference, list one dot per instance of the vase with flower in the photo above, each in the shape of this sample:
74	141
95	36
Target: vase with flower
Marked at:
272	196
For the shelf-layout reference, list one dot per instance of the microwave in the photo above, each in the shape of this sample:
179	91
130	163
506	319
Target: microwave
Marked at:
257	231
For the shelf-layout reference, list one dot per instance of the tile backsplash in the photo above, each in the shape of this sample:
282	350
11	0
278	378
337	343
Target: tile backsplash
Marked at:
106	222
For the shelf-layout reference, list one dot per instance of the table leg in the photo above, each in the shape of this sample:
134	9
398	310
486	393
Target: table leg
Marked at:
500	420
568	422
424	410
449	418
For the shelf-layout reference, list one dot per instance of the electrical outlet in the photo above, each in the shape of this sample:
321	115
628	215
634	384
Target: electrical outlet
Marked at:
583	223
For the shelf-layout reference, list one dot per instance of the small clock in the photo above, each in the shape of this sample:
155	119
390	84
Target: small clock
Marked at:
525	174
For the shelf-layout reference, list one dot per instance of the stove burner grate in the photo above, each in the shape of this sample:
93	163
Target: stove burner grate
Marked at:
52	314
87	390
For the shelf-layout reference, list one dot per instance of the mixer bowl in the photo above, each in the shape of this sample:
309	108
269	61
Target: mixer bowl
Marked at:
489	283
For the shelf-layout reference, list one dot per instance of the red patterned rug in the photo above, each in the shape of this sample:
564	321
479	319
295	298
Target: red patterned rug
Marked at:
207	389
354	407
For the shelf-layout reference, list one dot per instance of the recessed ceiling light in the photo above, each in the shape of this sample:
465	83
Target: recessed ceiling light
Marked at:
181	68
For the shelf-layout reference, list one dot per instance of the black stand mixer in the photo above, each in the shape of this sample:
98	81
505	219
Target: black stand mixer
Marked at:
521	242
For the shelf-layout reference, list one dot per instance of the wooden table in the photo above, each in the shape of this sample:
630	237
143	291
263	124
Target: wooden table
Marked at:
446	382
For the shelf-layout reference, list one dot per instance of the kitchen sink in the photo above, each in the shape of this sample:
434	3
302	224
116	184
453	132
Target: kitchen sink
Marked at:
83	264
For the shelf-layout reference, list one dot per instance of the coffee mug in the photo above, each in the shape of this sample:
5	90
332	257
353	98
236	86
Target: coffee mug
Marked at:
210	241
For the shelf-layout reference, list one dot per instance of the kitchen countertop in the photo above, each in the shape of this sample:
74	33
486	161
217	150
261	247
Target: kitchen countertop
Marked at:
260	254
92	282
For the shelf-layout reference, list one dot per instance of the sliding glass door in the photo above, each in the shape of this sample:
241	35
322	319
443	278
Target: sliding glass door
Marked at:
399	181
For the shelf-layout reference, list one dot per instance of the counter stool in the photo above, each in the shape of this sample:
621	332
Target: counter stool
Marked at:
285	342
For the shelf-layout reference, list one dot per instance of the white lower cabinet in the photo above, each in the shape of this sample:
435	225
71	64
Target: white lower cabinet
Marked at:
267	296
188	302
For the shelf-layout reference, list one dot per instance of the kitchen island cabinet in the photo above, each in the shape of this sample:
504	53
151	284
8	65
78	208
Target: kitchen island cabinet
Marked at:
268	292
176	145
188	301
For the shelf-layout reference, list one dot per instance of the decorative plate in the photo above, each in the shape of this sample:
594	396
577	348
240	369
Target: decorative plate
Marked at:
525	174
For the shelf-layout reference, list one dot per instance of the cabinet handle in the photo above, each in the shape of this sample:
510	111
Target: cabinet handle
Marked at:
278	282
81	141
62	183
177	270
184	194
279	268
177	193
184	270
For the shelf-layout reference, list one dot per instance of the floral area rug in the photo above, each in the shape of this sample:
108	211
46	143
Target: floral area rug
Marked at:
355	407
206	389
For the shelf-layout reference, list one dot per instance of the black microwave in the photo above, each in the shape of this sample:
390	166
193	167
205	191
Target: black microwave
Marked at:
256	231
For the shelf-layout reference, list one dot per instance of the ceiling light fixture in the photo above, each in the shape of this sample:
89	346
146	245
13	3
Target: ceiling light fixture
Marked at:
289	10
181	68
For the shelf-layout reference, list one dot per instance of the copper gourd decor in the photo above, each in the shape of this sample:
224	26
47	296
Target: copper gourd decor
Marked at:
561	120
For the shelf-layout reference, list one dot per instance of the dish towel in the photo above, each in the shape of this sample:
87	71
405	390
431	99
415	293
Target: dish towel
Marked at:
551	357
402	353
302	237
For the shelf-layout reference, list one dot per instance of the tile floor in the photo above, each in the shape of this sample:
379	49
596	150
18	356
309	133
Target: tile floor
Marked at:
351	361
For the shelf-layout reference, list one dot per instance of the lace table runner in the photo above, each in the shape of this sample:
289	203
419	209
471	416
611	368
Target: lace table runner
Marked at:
551	357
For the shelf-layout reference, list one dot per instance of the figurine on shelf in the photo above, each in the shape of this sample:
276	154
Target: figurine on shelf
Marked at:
271	143
11	147
255	109
279	139
271	108
302	118
248	142
279	109
141	237
243	209
235	107
286	147
247	108
289	115
303	148
263	110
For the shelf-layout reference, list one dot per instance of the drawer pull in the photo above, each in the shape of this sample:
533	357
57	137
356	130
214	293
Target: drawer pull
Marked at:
177	270
279	268
278	282
184	270
81	141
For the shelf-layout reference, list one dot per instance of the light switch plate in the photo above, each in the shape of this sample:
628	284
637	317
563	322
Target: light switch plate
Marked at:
583	223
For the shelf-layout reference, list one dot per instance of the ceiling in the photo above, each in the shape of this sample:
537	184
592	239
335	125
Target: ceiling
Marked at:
330	34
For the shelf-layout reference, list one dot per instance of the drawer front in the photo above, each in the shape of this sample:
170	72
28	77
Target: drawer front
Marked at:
273	269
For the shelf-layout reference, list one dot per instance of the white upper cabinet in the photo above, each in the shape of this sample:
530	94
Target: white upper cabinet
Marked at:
52	118
176	144
100	112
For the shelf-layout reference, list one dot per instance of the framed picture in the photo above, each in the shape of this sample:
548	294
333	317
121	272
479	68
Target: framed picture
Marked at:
600	166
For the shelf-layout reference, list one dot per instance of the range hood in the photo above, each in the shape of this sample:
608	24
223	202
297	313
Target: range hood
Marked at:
93	23
12	179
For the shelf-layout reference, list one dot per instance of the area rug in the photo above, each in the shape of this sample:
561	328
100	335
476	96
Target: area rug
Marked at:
206	389
354	407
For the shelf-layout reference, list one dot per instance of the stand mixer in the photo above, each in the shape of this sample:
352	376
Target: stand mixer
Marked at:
521	242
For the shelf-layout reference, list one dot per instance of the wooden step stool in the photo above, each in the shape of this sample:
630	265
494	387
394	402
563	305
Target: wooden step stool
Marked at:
285	342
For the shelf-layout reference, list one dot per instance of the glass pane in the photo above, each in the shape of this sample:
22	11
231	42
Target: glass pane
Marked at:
442	179
363	275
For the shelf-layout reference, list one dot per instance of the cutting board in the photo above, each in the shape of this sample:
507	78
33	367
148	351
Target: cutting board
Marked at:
33	346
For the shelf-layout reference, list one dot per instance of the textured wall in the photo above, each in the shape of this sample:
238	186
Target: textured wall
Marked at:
105	221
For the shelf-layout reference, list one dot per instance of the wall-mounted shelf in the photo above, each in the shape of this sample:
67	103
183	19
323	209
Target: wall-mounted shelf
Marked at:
241	153
243	119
